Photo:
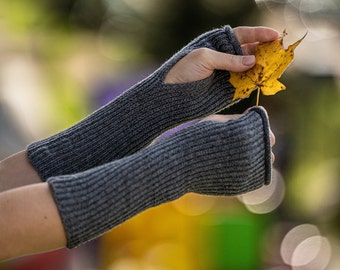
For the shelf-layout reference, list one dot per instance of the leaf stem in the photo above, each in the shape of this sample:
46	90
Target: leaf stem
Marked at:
258	96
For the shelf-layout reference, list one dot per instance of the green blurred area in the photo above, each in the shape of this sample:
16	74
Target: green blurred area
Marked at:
72	48
56	32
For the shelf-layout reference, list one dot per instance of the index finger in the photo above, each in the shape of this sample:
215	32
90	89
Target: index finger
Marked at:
246	34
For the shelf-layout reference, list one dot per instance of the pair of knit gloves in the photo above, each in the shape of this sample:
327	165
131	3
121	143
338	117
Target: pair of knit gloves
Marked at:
104	169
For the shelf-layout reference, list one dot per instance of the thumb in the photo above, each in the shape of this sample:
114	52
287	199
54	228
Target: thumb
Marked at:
230	62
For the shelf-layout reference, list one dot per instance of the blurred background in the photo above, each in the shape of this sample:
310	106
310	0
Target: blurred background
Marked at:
60	60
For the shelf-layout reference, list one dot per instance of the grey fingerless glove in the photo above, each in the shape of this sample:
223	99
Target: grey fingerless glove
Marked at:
209	158
138	116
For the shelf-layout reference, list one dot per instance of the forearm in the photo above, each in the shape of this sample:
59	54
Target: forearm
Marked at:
16	171
29	222
208	158
137	117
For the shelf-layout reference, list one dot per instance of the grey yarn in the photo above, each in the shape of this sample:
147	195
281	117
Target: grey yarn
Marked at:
208	158
138	116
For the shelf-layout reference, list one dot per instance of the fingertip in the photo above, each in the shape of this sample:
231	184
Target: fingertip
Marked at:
265	34
248	60
246	34
272	138
273	34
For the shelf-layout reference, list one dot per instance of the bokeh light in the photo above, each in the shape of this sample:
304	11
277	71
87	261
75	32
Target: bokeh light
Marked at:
303	247
267	198
194	204
313	14
312	253
318	200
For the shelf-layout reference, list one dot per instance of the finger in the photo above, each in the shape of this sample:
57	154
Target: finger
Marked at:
247	34
273	157
272	139
221	117
249	48
230	62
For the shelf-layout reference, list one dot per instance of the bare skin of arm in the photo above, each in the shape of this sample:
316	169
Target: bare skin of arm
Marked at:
29	219
17	171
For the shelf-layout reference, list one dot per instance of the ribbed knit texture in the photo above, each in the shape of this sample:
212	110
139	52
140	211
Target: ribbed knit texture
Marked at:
139	115
208	158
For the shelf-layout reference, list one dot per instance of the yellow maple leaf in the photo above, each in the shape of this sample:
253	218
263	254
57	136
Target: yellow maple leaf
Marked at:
272	59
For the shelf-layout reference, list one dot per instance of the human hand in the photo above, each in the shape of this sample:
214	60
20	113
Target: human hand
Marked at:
201	63
225	118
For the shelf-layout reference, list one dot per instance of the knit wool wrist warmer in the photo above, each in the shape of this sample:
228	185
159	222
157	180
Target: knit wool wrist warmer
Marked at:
139	115
210	157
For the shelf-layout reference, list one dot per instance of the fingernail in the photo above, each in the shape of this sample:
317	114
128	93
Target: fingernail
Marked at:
248	60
